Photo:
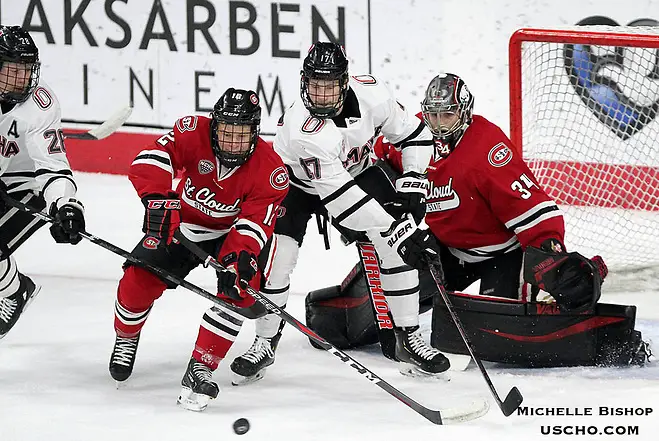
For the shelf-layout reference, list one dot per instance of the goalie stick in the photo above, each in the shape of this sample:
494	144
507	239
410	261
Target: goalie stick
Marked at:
475	410
514	397
106	129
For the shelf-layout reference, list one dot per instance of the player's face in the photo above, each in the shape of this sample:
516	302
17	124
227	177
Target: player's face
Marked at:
15	77
234	138
324	93
443	122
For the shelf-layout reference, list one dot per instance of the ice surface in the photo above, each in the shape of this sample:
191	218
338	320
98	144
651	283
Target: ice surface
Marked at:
54	381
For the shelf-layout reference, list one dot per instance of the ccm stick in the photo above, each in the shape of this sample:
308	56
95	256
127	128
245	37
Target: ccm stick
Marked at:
475	410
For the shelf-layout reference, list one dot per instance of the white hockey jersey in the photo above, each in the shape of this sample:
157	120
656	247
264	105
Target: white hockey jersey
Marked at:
32	152
323	155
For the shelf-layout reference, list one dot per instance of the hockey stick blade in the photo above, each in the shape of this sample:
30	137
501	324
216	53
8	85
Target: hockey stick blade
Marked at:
514	397
434	416
106	129
512	401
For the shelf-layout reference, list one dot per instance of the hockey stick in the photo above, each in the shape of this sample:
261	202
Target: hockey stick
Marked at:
368	260
434	416
106	129
250	313
514	397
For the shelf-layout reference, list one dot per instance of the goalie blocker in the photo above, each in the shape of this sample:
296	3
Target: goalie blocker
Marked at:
501	330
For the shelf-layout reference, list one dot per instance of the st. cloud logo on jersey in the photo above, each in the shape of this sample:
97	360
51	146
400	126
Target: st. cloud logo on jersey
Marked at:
279	178
442	197
499	155
608	80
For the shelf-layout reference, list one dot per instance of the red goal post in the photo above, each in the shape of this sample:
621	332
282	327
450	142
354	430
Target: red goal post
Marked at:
584	104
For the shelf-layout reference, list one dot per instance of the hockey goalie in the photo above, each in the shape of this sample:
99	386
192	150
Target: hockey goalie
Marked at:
538	304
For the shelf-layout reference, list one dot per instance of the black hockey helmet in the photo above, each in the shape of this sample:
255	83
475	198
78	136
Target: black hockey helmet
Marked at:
235	126
448	108
19	64
325	61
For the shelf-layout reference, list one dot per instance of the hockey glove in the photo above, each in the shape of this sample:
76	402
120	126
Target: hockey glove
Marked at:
69	215
162	215
240	269
572	279
416	247
411	194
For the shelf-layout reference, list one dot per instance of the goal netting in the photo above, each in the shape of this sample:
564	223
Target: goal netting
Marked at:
584	105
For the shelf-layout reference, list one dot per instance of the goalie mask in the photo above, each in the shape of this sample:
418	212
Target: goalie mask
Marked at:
447	108
235	126
19	65
324	80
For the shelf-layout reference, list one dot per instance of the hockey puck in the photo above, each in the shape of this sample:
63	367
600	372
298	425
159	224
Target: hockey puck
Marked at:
241	426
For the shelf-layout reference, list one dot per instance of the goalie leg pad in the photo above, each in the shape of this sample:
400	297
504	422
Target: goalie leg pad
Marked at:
539	334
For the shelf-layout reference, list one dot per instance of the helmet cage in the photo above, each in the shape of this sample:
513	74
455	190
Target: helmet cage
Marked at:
325	61
19	63
447	94
235	108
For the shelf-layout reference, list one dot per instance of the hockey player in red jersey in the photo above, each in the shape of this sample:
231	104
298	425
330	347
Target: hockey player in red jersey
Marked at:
494	224
231	186
486	208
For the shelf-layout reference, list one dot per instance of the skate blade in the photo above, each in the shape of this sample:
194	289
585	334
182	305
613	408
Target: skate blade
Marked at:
239	380
37	289
193	401
412	371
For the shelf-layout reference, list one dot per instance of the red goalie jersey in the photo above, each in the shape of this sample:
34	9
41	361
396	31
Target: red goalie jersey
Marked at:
483	199
241	201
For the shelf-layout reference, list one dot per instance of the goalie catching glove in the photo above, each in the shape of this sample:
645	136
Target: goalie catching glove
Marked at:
573	280
240	270
411	194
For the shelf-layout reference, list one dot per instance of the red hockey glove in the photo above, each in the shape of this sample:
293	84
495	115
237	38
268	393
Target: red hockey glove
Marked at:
162	215
239	271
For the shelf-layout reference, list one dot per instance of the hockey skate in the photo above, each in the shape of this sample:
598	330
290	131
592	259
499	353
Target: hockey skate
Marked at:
197	389
416	357
13	306
251	366
123	357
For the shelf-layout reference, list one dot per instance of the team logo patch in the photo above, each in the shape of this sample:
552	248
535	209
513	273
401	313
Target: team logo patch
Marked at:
313	125
150	242
205	167
279	179
500	155
187	124
42	98
254	99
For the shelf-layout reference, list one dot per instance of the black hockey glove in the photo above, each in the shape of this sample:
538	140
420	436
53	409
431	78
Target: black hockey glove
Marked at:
416	247
240	269
411	194
69	215
162	215
573	280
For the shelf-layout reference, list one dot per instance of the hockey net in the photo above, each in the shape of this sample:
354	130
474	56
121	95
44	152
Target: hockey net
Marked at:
583	108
